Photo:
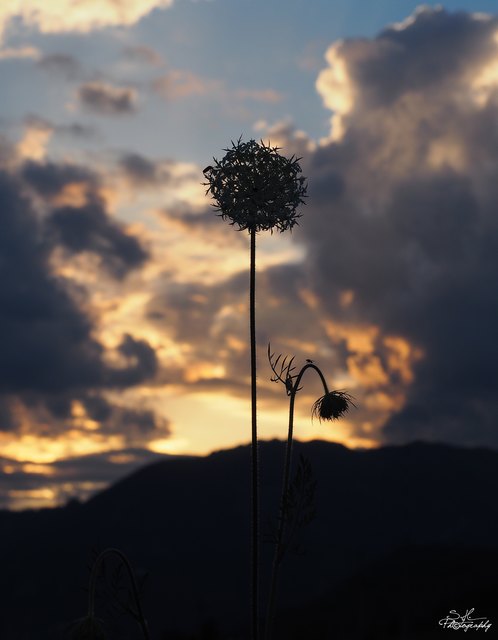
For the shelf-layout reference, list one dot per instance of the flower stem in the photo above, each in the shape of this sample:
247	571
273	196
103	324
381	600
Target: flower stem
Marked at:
93	585
254	442
279	549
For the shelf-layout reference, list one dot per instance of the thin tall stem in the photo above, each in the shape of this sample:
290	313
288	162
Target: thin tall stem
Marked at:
279	551
254	443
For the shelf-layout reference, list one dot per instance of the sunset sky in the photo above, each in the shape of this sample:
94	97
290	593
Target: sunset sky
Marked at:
123	297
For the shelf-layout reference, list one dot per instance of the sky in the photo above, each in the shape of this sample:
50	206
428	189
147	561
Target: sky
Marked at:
124	298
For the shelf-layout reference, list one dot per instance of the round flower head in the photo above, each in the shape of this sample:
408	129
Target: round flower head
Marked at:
255	187
332	405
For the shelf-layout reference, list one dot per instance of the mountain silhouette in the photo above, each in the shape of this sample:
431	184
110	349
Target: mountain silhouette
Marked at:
402	535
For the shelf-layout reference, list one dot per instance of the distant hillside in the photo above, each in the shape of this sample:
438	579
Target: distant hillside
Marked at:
402	535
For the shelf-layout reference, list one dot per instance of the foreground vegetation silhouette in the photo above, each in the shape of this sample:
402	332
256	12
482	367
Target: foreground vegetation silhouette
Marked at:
297	513
403	534
256	189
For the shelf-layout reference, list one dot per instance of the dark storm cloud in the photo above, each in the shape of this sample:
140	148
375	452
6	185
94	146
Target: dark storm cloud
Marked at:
142	363
7	419
137	423
50	178
49	356
402	213
85	228
90	229
42	333
105	99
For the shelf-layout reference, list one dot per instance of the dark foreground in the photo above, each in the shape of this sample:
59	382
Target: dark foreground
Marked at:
403	536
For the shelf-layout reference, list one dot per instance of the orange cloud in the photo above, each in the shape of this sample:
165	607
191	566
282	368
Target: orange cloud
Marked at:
20	53
34	142
261	95
178	84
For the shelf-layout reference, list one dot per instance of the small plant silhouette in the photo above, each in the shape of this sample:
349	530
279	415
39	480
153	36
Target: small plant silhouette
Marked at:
92	628
256	189
297	512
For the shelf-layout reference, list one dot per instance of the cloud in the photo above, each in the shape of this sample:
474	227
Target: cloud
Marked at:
141	170
401	225
283	134
60	63
64	15
52	359
203	223
88	228
50	178
210	323
42	332
178	83
19	53
26	485
38	133
140	363
36	137
82	223
76	130
406	59
144	54
106	99
269	96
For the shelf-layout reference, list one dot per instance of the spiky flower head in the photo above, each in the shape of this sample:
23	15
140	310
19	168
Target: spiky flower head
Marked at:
89	628
255	187
332	406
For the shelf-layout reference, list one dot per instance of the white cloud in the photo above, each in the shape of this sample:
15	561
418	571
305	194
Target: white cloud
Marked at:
83	16
402	216
337	90
178	83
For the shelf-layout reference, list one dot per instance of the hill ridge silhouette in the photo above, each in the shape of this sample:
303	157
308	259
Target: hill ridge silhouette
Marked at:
185	522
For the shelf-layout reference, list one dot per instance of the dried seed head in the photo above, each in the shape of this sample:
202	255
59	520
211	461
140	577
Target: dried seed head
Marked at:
332	405
255	187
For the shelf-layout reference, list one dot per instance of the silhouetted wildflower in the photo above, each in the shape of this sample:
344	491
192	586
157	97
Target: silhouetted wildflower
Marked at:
255	187
332	406
90	628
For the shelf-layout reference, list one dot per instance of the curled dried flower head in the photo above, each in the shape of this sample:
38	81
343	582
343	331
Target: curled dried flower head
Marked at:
89	628
255	187
332	406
